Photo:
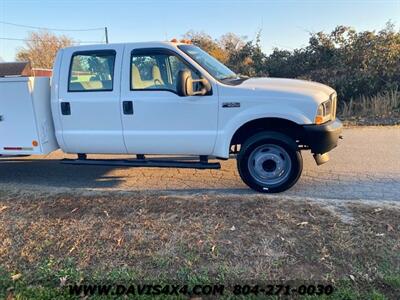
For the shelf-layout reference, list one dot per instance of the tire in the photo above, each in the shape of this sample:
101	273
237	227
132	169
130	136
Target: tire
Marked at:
269	162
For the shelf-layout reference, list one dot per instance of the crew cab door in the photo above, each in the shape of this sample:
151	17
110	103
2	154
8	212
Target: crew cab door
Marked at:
89	100
156	120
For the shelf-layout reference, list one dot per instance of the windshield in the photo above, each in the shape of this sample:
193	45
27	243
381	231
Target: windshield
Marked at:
209	63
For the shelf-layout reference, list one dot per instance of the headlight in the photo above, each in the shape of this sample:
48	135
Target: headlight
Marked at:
326	110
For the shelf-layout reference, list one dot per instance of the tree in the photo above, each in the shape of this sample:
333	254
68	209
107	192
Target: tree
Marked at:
244	57
247	58
354	63
232	42
41	47
208	44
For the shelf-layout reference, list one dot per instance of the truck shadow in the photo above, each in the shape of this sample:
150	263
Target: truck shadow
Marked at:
323	183
53	173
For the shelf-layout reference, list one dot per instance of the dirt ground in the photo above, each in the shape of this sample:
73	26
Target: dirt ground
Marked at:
199	239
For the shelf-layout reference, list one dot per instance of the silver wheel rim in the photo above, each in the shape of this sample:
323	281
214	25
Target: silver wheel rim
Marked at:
269	164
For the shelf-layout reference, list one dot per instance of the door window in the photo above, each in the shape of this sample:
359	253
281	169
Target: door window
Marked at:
92	71
157	71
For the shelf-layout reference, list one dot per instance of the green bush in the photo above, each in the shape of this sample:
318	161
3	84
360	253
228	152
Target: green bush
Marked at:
355	64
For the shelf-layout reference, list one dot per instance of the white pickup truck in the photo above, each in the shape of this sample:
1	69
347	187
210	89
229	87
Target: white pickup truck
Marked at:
168	98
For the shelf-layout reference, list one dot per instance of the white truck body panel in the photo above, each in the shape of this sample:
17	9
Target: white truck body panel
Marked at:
288	99
169	99
163	122
94	125
26	116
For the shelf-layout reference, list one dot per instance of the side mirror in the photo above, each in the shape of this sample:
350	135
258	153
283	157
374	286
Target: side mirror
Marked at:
185	84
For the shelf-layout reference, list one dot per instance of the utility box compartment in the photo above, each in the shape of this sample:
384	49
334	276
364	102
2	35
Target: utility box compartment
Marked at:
26	124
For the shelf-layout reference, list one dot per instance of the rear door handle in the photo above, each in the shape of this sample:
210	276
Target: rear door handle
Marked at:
127	107
65	108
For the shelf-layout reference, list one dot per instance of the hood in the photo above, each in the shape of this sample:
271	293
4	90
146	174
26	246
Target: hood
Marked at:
292	87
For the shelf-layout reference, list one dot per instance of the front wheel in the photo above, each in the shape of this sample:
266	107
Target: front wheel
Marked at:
270	162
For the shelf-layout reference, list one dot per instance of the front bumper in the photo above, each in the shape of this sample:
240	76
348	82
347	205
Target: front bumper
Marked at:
322	138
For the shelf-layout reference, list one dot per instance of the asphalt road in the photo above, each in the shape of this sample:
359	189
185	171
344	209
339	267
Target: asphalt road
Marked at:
365	166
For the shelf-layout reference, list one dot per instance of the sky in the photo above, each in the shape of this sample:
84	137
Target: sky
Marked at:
284	24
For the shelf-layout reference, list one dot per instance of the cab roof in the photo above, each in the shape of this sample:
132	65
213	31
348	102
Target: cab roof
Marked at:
153	44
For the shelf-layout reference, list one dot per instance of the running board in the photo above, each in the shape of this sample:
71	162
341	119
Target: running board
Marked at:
150	163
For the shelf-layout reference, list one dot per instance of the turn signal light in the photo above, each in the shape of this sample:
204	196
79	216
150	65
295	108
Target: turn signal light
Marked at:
35	143
319	120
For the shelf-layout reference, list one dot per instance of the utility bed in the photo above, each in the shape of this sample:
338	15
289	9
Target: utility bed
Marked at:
26	124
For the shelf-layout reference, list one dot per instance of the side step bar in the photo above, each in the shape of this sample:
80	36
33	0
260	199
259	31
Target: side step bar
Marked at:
155	163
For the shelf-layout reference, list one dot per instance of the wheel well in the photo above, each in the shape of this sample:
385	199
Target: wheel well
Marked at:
248	129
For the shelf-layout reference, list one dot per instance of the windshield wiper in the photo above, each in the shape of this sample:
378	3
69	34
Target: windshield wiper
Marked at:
230	77
236	76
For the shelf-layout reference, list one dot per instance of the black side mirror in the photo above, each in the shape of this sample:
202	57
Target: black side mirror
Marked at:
185	84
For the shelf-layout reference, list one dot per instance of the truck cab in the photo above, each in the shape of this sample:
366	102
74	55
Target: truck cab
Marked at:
127	96
173	98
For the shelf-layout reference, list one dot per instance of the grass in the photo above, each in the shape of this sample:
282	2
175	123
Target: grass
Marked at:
53	241
383	108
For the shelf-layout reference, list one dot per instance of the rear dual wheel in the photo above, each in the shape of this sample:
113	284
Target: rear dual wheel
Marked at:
270	162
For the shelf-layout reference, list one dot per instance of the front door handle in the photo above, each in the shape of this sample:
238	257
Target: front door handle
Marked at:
127	107
65	108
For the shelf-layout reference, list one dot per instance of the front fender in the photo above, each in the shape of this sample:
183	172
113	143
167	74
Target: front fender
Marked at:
228	127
